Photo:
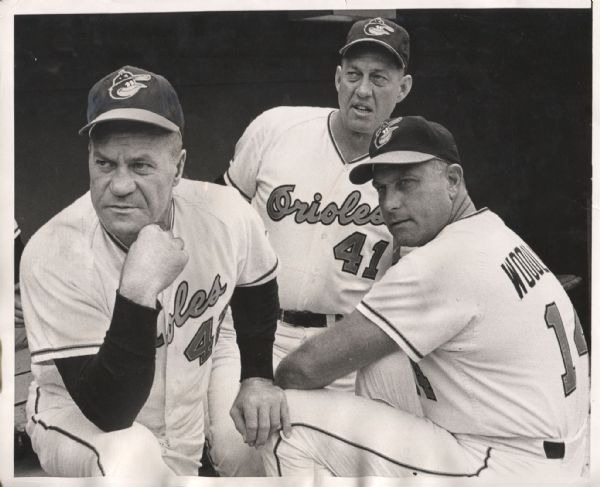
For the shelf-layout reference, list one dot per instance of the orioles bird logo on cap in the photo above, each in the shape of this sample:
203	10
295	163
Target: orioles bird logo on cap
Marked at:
126	84
384	133
377	28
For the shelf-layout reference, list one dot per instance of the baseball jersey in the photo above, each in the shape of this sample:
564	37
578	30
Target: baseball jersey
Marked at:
70	273
496	344
328	233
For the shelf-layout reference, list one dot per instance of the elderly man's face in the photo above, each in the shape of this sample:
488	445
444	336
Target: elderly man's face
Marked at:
132	175
415	199
369	85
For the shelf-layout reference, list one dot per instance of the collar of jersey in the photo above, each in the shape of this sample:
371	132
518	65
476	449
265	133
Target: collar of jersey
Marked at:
475	213
335	145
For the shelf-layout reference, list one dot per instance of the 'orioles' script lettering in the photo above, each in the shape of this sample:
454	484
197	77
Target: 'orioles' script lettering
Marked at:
281	205
199	303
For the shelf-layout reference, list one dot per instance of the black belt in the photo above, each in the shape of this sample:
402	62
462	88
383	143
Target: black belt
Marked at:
554	449
305	319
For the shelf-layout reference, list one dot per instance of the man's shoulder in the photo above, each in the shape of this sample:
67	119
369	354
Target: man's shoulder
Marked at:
66	235
201	199
284	117
464	247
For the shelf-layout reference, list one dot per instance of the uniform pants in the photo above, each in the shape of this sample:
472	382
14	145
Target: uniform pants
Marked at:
349	436
69	445
229	454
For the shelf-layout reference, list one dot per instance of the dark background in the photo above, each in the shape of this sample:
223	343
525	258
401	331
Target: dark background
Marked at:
514	86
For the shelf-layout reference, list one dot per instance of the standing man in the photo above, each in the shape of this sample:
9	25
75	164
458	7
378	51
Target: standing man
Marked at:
292	163
124	292
500	359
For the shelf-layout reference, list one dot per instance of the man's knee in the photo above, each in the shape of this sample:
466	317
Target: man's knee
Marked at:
133	451
89	452
230	456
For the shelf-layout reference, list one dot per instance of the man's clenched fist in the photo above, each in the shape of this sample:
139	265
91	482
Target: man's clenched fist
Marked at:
153	262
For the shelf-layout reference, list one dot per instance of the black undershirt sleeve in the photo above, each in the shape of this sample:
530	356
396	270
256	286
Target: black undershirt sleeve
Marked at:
255	311
111	386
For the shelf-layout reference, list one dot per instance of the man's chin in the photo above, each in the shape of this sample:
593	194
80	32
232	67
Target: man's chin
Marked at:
364	126
125	232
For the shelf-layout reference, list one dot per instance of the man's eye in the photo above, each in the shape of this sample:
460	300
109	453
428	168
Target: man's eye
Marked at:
379	80
141	166
352	76
103	164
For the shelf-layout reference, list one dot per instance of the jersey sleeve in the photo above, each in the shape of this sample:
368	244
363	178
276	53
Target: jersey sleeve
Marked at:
244	167
64	312
257	261
417	306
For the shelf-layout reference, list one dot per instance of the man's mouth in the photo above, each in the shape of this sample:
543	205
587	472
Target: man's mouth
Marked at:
121	207
399	222
362	109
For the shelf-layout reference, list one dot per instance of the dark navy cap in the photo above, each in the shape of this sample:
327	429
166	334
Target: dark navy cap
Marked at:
382	32
134	94
406	140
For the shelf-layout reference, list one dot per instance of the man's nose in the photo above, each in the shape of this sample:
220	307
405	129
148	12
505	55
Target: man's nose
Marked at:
364	88
391	201
122	183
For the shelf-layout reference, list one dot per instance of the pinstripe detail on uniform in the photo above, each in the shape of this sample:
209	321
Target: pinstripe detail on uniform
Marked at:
381	455
232	182
66	433
74	438
404	339
37	400
270	271
276	457
61	349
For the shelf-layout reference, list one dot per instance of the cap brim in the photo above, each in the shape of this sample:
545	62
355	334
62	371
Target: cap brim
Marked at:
133	114
363	172
376	41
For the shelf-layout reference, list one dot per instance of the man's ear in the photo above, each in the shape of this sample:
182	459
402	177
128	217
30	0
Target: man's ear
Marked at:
338	78
454	175
180	166
404	87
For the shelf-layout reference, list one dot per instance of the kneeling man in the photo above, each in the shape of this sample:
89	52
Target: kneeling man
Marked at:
499	357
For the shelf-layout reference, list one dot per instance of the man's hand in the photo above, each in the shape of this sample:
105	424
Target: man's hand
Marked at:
259	410
153	262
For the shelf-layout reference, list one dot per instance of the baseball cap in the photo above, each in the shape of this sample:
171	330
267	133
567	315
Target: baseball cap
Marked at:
406	140
135	94
383	32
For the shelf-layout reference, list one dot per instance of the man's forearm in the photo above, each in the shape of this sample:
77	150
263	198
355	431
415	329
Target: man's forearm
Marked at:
255	310
112	386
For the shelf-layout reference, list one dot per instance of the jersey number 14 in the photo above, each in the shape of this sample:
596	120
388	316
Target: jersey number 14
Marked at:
554	321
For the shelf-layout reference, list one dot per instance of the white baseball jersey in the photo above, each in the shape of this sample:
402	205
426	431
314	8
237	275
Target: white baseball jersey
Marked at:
328	233
70	273
499	359
499	348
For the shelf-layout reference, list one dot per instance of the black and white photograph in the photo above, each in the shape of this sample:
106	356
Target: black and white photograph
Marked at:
313	241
